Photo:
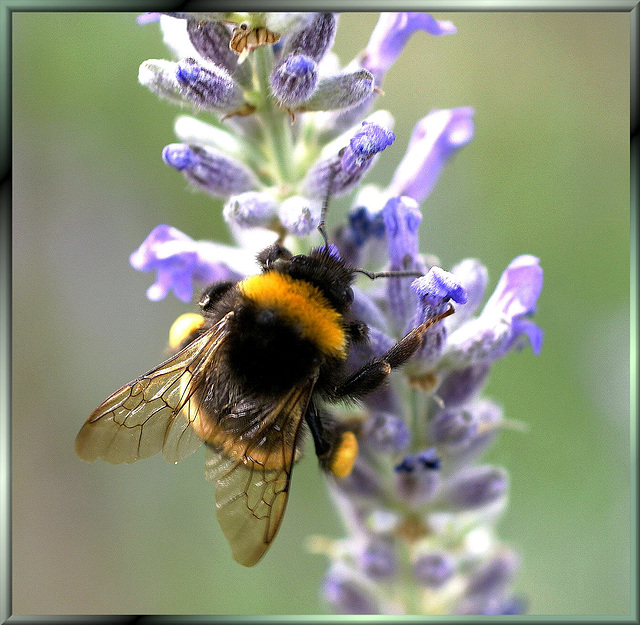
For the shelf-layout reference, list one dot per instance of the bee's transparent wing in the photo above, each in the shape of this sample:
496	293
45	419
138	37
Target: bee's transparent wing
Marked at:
146	415
253	477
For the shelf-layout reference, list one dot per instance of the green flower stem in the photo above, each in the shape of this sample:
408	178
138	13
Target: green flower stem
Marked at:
276	123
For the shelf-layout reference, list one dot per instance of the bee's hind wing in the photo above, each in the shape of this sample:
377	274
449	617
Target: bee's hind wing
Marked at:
253	477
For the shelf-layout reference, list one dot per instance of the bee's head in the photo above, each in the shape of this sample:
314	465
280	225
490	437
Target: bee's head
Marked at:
325	270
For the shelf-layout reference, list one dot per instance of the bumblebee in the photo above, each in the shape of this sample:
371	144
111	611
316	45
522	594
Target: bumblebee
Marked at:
259	362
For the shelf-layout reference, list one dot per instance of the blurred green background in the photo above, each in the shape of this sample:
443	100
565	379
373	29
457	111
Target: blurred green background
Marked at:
547	173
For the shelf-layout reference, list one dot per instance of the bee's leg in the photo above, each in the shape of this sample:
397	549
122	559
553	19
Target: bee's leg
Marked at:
271	254
312	417
369	377
357	331
336	446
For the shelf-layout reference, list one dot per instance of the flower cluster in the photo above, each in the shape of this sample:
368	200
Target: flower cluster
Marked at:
288	127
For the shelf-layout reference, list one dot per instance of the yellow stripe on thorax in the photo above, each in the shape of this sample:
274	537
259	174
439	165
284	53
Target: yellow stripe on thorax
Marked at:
302	303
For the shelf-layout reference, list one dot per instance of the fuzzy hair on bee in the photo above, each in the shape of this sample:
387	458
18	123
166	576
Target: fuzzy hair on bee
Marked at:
250	374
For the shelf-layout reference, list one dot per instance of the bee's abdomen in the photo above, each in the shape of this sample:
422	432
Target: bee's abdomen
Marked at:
267	352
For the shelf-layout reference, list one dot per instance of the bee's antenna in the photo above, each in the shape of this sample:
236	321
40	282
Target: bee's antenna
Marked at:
389	274
334	168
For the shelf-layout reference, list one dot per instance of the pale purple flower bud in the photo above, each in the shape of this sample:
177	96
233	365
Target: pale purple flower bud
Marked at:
294	80
179	260
210	88
340	91
385	433
211	41
346	593
402	219
434	140
365	144
313	39
468	430
350	164
513	605
299	215
417	478
362	483
378	560
492	605
211	170
461	385
187	83
435	569
493	576
249	210
477	487
391	35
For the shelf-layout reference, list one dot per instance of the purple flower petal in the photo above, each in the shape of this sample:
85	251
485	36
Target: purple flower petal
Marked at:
437	287
178	261
391	35
435	139
515	296
518	289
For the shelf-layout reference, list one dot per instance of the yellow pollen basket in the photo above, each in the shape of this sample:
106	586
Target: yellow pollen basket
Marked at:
302	303
345	455
182	327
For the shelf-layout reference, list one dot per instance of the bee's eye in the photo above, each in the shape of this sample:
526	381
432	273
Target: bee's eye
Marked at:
348	295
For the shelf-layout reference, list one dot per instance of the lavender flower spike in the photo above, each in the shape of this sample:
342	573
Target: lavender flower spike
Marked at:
419	511
434	140
391	35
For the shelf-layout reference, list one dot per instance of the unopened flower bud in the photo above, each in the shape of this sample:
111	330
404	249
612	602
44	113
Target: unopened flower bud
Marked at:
314	37
385	433
434	569
346	593
249	210
188	83
461	385
340	92
210	170
211	41
478	487
294	80
494	575
344	170
299	215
